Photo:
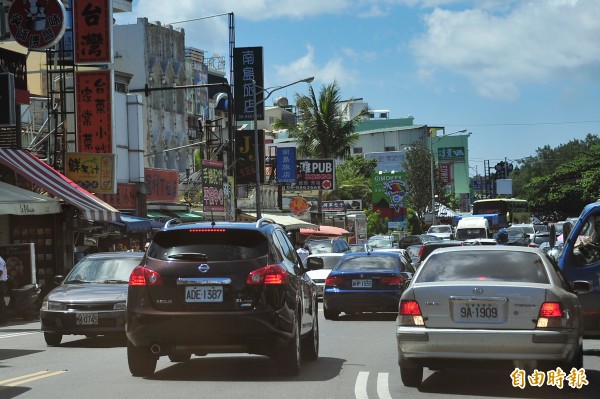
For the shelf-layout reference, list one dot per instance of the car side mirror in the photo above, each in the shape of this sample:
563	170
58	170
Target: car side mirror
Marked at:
58	279
581	286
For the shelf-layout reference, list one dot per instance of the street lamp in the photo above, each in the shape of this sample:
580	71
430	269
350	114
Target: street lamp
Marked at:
268	92
433	212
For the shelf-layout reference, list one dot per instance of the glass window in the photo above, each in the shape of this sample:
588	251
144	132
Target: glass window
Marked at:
369	263
484	266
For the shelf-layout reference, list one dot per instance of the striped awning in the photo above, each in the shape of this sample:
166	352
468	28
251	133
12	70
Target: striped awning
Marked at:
44	176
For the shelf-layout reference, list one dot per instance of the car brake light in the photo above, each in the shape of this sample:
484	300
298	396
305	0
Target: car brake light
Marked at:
333	281
395	280
410	313
142	276
551	315
421	250
271	274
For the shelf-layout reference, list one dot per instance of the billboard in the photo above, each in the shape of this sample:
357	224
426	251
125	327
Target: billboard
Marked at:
389	190
248	67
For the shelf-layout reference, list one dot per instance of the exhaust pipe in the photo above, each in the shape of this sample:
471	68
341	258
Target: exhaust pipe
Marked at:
155	349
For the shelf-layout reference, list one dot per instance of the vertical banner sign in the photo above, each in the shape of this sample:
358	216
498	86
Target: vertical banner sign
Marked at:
37	25
94	172
161	184
16	64
445	170
248	67
92	30
388	192
245	168
213	198
93	98
286	164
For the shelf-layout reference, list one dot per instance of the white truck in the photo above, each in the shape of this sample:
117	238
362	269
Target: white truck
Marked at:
475	227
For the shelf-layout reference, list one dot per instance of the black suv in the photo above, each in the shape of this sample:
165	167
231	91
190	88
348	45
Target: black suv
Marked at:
227	287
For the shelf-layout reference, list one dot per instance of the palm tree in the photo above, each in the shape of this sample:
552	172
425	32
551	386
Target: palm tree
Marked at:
324	130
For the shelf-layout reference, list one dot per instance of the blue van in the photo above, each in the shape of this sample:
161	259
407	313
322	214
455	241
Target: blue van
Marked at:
580	260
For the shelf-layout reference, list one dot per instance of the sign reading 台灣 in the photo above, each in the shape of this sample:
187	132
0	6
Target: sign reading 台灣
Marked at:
92	29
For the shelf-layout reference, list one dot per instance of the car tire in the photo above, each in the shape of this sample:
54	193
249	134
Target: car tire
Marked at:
52	339
142	362
310	343
411	374
180	357
577	360
288	359
330	315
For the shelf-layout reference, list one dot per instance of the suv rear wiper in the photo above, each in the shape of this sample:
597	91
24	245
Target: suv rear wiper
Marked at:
115	281
189	256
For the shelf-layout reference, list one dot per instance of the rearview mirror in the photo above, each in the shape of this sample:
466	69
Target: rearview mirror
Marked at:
314	263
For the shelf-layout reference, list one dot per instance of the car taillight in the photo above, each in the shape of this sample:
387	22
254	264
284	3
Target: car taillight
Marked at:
421	250
142	276
409	313
333	281
551	315
394	280
271	274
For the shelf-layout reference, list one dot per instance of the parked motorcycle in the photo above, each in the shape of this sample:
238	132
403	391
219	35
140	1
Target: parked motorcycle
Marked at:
24	302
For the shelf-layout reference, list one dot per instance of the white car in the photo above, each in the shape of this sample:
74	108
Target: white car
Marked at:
320	265
443	231
490	304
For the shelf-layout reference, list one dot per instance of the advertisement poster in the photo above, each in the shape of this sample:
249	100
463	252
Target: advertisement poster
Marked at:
94	172
389	190
20	262
314	174
93	97
213	198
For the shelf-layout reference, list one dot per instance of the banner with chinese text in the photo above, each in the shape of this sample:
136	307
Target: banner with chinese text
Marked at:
93	96
213	198
161	184
248	67
92	29
94	172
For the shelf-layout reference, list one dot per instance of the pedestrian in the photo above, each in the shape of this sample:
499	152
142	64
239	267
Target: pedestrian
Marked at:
303	251
3	288
135	247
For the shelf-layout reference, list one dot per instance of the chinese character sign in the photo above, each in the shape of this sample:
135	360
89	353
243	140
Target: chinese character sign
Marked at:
245	168
161	184
94	172
314	174
286	164
92	28
124	199
445	170
248	67
451	154
213	198
36	24
93	96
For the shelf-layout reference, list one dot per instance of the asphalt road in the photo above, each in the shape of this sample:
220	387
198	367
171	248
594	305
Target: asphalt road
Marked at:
357	360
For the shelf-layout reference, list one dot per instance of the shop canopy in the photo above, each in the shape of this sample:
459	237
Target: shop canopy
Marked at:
287	222
188	216
49	179
136	224
17	201
326	231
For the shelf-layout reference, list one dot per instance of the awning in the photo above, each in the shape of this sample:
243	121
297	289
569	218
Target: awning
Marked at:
17	201
288	222
157	215
135	224
188	216
42	175
328	231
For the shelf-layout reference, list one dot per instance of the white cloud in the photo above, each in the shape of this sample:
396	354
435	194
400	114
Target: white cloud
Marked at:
535	43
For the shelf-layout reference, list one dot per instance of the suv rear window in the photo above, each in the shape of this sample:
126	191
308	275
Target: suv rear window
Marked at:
484	266
217	245
369	262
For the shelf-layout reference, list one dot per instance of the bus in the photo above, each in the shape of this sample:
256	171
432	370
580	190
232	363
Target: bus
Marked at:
509	210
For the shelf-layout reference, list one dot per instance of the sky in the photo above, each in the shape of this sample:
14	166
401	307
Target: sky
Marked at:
518	75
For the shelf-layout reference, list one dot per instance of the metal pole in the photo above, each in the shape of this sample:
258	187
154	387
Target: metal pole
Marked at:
256	153
432	181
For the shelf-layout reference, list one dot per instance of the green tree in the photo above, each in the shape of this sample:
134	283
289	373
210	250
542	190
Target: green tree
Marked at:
353	180
376	223
324	131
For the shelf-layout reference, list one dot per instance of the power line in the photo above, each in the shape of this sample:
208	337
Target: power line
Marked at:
527	124
197	19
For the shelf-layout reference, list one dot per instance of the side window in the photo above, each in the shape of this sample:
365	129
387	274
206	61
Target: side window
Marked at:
290	257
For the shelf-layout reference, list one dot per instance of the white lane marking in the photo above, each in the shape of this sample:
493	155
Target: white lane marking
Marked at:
12	335
383	389
360	387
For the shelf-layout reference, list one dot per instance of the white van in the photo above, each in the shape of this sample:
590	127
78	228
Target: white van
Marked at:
472	227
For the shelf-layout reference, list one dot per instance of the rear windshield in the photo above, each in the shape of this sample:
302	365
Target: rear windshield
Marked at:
217	246
484	266
369	263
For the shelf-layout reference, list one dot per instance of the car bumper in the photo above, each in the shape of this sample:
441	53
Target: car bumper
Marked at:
361	301
420	344
253	331
109	322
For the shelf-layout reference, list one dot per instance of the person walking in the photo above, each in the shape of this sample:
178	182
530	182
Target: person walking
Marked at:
3	290
303	251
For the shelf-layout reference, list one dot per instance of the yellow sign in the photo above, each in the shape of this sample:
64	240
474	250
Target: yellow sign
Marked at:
93	172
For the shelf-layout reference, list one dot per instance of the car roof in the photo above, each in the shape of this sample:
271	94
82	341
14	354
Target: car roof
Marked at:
222	225
326	255
488	248
374	253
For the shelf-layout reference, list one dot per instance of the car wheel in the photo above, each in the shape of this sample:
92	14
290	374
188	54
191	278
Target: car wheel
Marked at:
142	362
411	374
577	360
310	343
288	359
180	357
330	315
52	339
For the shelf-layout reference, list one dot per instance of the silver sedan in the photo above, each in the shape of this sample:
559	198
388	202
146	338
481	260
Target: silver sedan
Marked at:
488	305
